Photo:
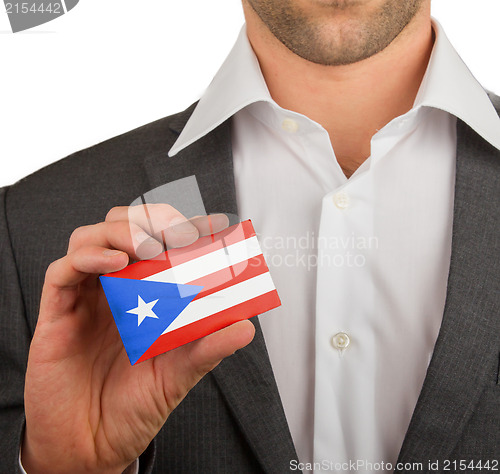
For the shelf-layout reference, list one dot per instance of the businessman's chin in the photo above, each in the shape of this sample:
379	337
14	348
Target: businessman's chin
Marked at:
336	32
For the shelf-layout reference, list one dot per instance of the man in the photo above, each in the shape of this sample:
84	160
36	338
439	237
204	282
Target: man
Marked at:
346	120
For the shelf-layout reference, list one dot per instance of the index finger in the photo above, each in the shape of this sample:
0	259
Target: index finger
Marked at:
167	224
161	221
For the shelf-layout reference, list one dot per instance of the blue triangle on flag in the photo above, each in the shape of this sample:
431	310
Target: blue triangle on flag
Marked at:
139	317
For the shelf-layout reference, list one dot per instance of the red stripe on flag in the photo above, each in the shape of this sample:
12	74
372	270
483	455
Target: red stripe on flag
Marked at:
171	258
212	323
230	276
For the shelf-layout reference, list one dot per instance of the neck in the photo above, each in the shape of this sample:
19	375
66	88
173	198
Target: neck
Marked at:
353	101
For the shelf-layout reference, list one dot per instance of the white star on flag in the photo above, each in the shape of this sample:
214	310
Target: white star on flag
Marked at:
144	310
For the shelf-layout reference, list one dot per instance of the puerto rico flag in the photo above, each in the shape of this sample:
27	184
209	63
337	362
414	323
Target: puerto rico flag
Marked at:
187	293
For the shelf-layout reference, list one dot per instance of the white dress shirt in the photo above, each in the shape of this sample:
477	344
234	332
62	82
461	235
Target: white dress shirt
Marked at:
360	264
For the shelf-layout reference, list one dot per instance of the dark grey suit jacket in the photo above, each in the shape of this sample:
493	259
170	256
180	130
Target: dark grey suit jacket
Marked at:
233	420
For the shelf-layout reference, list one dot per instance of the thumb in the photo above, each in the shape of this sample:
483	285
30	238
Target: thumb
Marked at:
182	368
210	350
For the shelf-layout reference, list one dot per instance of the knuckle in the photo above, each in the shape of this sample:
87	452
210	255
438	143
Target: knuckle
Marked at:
112	213
131	228
77	235
168	208
82	235
161	208
52	270
122	232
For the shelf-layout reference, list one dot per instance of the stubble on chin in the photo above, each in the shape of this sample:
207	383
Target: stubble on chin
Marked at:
346	33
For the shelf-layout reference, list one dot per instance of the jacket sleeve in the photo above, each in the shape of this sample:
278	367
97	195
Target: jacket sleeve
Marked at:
15	339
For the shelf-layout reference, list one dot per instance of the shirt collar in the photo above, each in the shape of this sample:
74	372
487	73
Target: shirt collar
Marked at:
238	83
450	86
447	85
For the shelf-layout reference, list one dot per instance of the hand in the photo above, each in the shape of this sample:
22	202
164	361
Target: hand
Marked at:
87	409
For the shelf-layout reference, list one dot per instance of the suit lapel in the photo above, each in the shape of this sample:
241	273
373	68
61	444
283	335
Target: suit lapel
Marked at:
248	385
246	379
209	159
466	347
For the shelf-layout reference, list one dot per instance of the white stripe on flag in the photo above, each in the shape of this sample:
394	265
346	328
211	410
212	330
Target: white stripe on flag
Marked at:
209	263
223	299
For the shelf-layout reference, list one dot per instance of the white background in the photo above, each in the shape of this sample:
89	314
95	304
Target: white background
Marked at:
109	66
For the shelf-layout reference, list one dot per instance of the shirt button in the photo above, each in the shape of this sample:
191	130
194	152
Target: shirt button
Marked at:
341	200
340	341
289	125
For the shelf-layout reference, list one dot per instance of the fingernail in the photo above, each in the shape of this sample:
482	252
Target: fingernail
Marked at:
182	226
111	253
